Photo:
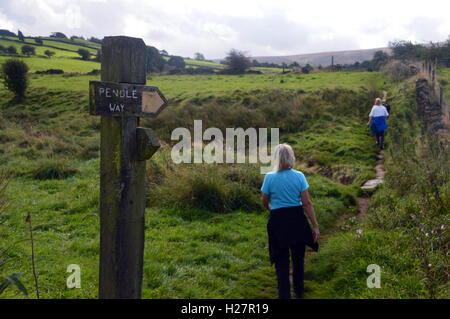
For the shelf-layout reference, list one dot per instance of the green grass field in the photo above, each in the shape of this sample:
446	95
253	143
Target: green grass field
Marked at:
54	45
444	81
73	65
210	251
184	86
214	245
40	50
71	62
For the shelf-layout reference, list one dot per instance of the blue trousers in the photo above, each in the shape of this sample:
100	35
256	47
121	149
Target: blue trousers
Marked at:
282	270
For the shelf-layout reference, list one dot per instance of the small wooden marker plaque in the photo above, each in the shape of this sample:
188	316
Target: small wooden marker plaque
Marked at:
117	99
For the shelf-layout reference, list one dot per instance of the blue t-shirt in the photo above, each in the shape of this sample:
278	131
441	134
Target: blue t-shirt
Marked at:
284	188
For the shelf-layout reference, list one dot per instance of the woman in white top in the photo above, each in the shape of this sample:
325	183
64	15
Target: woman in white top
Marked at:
378	114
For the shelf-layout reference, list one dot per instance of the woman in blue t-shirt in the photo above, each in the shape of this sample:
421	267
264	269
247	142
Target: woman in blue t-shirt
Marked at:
285	195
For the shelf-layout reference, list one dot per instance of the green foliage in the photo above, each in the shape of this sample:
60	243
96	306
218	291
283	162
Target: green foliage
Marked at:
237	62
177	62
206	224
7	33
155	61
28	50
307	68
98	56
340	268
11	50
58	35
406	228
20	36
404	50
85	54
11	279
14	76
379	59
54	170
199	56
419	201
214	188
49	53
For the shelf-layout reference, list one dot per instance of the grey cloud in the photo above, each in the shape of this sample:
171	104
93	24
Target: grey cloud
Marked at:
425	29
185	33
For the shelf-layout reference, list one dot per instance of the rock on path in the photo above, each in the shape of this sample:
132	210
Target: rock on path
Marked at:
372	183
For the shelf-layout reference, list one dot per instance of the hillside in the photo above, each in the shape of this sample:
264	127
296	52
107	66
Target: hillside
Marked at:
66	56
323	58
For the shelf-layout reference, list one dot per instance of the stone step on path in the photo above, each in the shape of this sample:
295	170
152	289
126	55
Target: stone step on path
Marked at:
363	202
379	169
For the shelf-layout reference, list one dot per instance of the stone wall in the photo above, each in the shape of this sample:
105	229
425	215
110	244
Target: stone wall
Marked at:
430	108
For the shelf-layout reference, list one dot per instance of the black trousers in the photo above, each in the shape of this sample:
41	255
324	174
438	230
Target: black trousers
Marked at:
282	269
380	139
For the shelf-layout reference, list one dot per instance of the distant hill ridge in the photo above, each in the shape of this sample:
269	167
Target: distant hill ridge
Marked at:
323	58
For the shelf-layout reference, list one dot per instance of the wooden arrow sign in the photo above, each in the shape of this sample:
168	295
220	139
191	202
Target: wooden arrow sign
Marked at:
118	99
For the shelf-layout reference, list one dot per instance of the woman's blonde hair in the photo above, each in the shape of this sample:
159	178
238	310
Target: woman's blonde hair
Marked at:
284	157
377	101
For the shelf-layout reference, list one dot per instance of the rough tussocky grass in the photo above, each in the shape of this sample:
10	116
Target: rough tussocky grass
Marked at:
190	251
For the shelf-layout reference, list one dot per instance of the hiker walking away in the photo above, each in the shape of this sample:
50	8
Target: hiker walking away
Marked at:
388	107
378	114
285	195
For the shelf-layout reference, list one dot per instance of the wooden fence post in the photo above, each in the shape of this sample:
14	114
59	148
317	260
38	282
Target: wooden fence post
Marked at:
122	178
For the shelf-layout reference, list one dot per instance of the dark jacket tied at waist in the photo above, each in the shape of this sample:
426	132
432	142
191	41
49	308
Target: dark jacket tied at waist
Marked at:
288	226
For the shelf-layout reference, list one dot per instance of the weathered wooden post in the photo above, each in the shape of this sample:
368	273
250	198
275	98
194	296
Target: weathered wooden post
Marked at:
121	98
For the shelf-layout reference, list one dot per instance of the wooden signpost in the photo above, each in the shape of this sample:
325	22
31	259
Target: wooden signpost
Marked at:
121	98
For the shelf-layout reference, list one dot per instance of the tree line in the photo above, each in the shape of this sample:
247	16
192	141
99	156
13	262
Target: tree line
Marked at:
406	50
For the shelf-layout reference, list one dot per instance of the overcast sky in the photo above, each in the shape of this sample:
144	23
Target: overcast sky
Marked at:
258	27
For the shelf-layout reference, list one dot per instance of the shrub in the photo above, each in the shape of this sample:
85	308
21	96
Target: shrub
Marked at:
11	50
237	62
51	71
21	36
177	61
49	53
398	71
14	76
155	61
98	56
54	170
307	68
38	41
199	56
85	54
214	188
7	33
95	40
94	72
58	35
28	50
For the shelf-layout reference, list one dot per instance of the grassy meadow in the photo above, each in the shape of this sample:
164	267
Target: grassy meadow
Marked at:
205	227
444	81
